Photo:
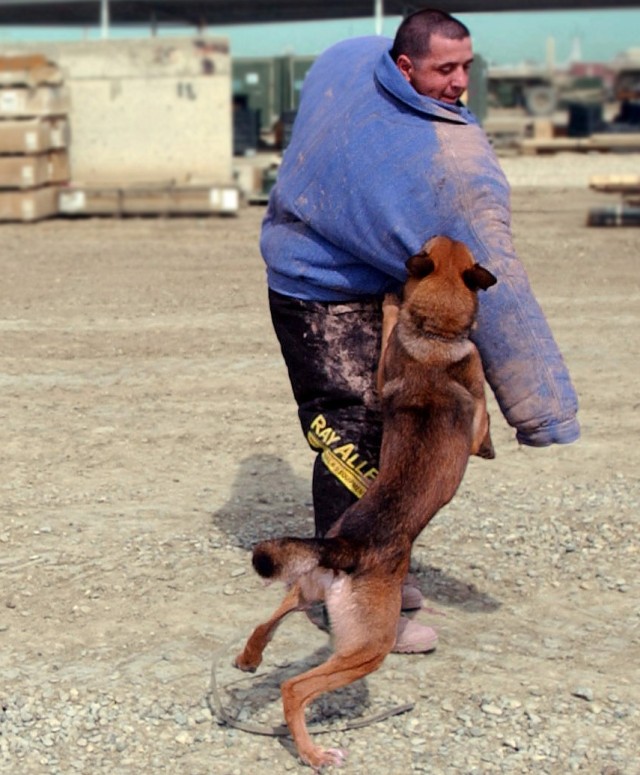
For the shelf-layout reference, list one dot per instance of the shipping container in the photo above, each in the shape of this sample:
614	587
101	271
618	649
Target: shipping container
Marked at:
270	86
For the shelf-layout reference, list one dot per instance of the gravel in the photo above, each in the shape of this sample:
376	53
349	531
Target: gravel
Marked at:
131	506
532	704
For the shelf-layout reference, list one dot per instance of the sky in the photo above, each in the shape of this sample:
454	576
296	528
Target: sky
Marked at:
501	38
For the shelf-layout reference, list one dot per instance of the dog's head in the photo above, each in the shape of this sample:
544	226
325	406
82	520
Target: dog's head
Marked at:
441	290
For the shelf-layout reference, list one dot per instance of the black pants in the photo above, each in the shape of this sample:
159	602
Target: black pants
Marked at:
331	351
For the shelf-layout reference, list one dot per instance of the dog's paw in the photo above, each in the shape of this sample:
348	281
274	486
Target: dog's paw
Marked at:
244	664
485	448
319	758
336	757
486	451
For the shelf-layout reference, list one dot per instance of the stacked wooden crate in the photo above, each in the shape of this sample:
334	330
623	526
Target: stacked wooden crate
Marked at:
150	125
34	160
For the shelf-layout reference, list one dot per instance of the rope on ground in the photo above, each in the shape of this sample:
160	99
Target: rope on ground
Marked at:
218	710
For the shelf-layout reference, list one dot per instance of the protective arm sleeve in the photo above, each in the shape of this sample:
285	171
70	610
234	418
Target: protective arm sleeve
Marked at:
522	362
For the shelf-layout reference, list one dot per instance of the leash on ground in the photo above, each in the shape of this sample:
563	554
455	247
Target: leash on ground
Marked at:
217	708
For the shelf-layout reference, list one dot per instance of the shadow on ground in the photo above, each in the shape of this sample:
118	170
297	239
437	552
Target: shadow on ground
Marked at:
268	500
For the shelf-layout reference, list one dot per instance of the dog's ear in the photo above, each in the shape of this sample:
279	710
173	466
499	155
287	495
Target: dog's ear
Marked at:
420	265
478	278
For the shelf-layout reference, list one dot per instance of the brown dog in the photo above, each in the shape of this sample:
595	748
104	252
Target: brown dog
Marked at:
434	417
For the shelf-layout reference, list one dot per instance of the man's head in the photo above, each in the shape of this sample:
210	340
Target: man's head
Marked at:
433	52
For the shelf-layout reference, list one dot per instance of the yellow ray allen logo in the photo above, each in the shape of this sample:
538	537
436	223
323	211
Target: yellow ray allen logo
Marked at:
341	458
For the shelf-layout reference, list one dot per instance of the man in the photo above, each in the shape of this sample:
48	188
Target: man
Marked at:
382	157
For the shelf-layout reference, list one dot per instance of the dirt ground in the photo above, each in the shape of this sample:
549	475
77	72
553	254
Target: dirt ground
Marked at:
148	437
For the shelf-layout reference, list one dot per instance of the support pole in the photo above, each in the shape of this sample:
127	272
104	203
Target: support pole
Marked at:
104	19
378	12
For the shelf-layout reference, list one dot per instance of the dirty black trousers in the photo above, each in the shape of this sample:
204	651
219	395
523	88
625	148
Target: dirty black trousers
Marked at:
331	350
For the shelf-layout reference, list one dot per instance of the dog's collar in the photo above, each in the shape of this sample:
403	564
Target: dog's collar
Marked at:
417	323
422	345
426	334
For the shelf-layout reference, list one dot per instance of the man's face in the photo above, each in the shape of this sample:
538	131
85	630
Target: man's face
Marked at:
444	73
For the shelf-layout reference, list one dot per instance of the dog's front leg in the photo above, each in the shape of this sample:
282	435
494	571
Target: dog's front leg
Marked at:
251	656
482	445
390	312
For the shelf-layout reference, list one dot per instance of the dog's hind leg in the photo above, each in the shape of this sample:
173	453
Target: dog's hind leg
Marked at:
364	618
251	656
339	670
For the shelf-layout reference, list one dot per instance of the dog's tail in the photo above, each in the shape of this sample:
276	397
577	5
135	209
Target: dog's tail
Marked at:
288	558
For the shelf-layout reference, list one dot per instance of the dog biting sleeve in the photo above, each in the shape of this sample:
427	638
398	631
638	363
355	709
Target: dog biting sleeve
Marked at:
375	169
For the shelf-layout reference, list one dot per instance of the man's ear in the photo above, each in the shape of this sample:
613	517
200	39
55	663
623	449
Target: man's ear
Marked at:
403	63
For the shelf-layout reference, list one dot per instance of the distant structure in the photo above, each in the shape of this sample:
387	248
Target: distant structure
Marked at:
576	50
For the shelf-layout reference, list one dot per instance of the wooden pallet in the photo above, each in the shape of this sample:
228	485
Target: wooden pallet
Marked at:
616	184
628	186
82	200
31	204
627	211
604	142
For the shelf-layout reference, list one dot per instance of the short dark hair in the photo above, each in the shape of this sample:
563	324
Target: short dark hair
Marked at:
415	31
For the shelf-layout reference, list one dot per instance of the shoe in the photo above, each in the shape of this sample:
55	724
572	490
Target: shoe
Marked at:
412	597
414	638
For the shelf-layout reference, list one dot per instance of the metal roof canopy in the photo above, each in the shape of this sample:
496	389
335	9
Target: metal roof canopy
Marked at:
224	12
